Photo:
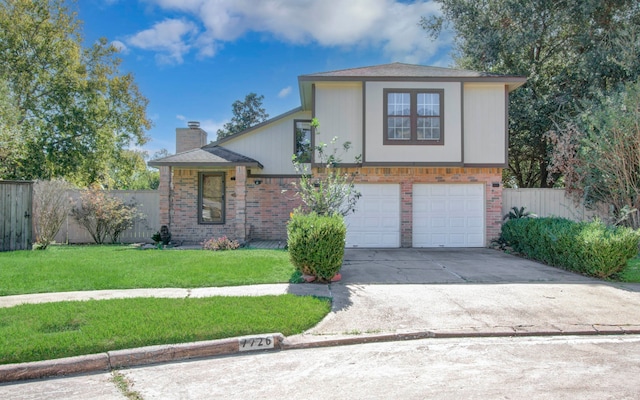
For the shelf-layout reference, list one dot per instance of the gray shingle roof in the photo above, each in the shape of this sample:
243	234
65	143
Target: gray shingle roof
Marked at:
208	156
397	70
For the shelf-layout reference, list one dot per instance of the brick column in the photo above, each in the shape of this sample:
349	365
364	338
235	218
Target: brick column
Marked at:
164	192
494	207
406	214
241	203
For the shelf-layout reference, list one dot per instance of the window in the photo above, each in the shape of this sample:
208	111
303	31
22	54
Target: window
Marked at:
211	198
413	116
302	138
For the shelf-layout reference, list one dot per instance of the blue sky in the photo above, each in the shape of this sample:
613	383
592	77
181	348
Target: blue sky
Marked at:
193	58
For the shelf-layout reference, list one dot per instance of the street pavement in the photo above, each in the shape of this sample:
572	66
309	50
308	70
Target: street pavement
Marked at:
593	367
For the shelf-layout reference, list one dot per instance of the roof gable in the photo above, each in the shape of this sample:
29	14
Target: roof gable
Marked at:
210	155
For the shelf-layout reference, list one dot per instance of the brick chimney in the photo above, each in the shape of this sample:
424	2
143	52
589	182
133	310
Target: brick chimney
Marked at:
190	138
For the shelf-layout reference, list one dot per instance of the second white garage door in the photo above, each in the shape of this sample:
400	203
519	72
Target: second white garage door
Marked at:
376	222
448	215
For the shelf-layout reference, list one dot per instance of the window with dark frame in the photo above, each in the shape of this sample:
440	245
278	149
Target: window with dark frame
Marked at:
414	116
302	140
211	198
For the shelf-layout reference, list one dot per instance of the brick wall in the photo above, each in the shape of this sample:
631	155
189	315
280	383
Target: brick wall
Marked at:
268	208
189	139
184	209
261	210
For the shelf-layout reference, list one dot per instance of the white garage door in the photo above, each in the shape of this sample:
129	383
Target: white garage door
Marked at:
448	215
376	222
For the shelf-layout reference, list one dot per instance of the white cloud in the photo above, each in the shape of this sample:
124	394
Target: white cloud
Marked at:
171	38
390	25
284	92
181	117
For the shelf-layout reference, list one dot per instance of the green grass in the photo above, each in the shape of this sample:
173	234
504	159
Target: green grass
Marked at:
71	268
32	332
631	273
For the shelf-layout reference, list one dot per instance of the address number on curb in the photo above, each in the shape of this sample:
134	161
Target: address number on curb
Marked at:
256	343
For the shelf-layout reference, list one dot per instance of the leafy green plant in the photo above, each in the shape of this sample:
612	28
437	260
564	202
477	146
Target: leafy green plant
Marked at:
591	248
516	213
221	243
330	190
316	243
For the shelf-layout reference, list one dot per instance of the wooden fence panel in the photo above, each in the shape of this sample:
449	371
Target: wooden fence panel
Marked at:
147	201
545	203
16	204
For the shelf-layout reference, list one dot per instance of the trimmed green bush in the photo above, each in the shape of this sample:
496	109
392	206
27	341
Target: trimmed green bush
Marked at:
316	243
591	248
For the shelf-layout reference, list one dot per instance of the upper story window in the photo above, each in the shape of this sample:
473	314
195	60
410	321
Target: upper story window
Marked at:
211	198
414	116
302	138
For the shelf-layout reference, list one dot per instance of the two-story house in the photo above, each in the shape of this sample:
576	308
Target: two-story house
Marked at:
433	143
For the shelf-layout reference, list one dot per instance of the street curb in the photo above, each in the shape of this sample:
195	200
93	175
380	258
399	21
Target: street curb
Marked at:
117	359
138	356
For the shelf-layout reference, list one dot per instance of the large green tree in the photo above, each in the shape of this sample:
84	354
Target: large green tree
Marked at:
77	112
569	50
246	114
599	155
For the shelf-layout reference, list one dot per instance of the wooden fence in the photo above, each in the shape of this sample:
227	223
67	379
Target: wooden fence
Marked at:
16	204
546	203
147	202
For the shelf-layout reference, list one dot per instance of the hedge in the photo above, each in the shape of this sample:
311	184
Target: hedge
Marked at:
590	248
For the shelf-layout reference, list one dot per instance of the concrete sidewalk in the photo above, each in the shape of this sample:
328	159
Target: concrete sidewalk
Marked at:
405	294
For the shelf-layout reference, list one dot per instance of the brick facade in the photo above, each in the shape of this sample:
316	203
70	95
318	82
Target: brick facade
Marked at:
257	208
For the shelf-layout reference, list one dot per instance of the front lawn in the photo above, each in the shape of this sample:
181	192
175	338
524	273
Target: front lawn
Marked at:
631	273
72	268
34	332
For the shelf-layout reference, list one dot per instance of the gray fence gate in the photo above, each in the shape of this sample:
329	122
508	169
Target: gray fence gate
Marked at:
16	199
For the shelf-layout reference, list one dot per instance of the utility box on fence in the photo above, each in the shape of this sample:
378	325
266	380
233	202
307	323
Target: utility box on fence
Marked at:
16	207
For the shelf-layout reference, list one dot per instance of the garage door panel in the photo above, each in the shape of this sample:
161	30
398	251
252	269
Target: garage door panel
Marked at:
376	222
448	215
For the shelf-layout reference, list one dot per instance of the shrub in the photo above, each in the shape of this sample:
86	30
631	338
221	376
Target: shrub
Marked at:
330	190
51	206
103	215
316	243
221	243
590	248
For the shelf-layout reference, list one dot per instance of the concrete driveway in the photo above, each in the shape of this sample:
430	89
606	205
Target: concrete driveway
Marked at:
470	292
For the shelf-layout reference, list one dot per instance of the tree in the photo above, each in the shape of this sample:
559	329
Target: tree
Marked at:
246	114
11	144
569	50
76	112
599	155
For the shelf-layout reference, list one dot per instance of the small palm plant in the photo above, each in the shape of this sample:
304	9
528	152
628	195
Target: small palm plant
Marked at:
517	213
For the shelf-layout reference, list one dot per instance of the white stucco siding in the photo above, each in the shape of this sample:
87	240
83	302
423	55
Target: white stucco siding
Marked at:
376	151
484	124
338	108
271	145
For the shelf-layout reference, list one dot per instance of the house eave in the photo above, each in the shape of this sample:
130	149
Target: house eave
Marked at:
204	164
